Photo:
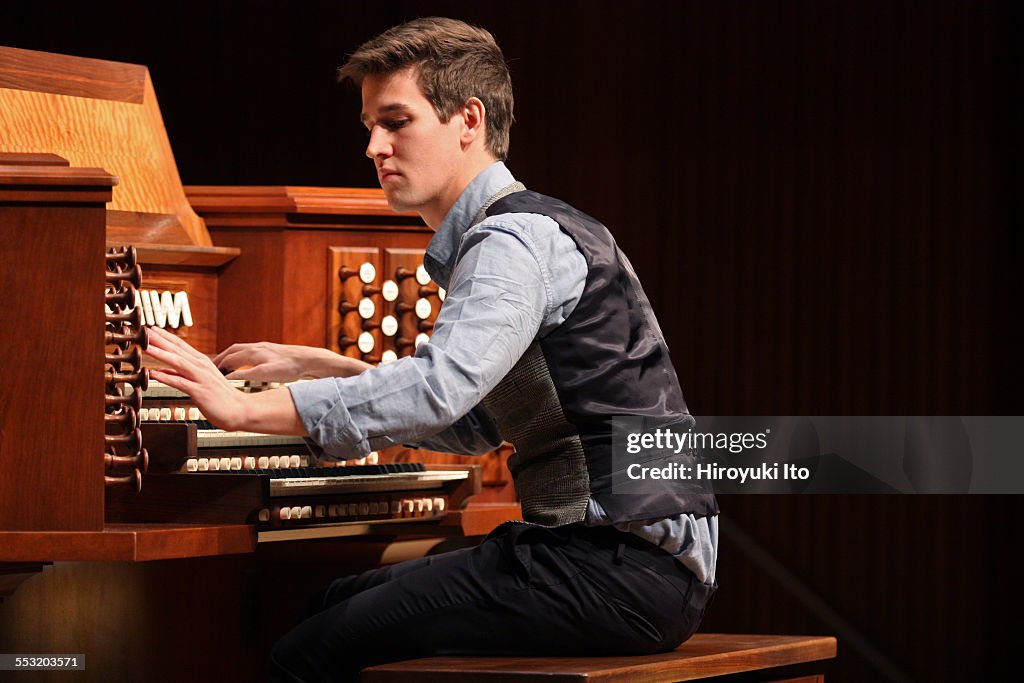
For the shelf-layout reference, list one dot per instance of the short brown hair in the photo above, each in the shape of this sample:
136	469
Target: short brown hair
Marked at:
455	61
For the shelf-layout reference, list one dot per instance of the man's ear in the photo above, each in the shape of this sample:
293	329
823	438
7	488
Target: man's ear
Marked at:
474	115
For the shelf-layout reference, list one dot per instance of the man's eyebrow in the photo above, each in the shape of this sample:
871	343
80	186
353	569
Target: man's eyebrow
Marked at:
398	106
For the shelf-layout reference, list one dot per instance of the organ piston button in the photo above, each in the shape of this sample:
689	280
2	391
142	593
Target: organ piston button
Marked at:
264	515
367	273
389	290
423	309
422	276
294	461
421	338
179	414
192	465
389	325
366	308
365	342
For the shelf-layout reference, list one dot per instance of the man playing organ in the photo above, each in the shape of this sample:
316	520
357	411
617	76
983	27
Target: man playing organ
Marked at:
544	336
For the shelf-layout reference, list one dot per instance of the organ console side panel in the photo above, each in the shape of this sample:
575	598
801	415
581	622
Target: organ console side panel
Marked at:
52	219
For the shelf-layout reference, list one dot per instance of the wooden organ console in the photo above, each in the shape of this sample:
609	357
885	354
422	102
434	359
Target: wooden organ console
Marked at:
127	525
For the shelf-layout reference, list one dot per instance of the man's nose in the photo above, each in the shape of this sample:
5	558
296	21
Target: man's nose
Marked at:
378	145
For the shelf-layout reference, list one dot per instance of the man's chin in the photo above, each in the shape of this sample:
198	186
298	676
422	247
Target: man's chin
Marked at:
396	203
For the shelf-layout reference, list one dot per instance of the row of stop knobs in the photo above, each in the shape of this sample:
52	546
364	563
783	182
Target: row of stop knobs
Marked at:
389	325
406	508
125	460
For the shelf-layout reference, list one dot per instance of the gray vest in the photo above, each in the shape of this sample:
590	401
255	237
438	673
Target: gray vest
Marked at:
608	358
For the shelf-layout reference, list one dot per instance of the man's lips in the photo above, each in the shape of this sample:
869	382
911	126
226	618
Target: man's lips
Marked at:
384	175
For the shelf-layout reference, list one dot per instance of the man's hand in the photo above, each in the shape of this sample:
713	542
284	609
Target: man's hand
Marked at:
285	362
190	371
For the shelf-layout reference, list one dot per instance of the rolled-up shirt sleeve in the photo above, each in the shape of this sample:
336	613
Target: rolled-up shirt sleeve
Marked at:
497	300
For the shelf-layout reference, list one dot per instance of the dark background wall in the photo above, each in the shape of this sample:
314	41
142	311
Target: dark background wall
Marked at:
820	197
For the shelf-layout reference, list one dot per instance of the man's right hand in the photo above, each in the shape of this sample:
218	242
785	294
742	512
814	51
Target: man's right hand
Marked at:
270	362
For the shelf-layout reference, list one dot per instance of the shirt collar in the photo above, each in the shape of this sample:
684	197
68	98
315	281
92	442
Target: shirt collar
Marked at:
444	246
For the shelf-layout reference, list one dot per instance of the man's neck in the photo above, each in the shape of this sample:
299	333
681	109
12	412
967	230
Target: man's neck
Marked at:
434	215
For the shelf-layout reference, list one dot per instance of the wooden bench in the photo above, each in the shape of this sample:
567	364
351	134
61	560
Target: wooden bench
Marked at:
704	656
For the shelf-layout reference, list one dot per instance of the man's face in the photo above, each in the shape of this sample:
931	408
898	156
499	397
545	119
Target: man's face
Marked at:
417	157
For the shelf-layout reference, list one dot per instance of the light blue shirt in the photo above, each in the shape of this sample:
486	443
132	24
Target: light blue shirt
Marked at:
510	279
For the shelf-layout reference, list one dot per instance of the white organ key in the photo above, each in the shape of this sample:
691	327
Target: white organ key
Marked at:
192	465
143	301
421	338
263	462
423	308
422	276
159	315
373	458
388	356
366	308
389	325
179	414
181	303
294	461
389	290
249	463
367	273
365	342
203	465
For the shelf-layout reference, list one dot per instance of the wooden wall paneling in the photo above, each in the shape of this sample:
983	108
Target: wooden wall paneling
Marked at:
353	275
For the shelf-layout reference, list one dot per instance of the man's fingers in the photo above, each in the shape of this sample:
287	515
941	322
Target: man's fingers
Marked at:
166	340
229	352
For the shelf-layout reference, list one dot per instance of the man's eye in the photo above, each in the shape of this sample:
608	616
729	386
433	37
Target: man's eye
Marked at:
396	124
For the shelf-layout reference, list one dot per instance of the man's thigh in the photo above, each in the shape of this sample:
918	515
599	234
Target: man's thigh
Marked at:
524	592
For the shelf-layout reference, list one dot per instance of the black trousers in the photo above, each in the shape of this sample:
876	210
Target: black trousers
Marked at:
525	589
